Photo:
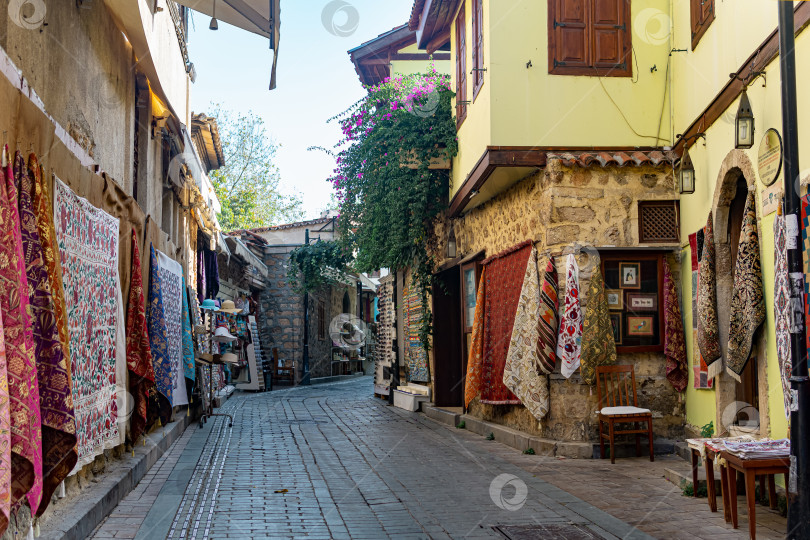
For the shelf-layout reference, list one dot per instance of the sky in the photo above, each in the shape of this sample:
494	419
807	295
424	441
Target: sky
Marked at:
315	80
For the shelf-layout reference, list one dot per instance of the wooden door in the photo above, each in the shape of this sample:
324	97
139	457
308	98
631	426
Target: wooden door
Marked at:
448	374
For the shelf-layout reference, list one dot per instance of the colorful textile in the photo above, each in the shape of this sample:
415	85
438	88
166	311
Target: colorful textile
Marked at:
598	345
674	343
569	342
158	343
781	305
171	287
700	370
708	328
549	318
188	338
505	273
805	228
415	353
200	276
747	300
139	355
475	361
522	373
5	437
55	400
26	430
87	238
211	266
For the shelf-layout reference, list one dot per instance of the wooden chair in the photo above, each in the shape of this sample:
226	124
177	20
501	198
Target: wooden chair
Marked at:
282	373
616	391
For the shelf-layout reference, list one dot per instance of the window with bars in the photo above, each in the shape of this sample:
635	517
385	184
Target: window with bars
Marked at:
658	221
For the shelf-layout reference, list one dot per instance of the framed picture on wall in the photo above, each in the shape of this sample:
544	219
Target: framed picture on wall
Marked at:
615	299
642	301
640	326
616	322
630	275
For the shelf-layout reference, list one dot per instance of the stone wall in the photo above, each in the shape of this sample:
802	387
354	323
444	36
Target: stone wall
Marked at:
320	349
281	312
559	208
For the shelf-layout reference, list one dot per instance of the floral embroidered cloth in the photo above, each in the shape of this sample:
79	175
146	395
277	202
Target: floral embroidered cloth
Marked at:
475	362
598	345
747	300
522	373
26	431
56	402
505	273
708	326
569	342
139	355
171	289
549	318
781	305
88	247
5	438
674	342
188	339
158	343
700	370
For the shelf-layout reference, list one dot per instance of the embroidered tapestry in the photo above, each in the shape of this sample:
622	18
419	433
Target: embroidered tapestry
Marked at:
505	273
188	339
161	398
549	318
708	323
171	289
522	374
88	247
55	400
598	345
26	431
700	371
5	437
139	355
747	300
475	361
569	342
781	304
674	342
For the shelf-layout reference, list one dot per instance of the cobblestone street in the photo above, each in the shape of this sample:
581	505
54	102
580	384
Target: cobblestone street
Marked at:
329	461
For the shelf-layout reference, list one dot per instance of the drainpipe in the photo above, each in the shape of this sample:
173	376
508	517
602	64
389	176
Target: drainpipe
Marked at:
799	477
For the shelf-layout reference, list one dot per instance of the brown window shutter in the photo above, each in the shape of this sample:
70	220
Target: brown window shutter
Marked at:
702	15
570	33
461	67
478	50
611	49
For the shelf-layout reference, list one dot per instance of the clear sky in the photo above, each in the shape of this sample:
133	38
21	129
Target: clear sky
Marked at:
315	80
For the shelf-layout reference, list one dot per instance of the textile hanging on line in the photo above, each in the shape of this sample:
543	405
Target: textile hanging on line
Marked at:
171	287
708	326
522	373
549	318
598	344
188	339
26	433
700	370
569	342
158	343
505	273
747	311
87	238
674	342
139	354
55	400
781	304
5	437
475	362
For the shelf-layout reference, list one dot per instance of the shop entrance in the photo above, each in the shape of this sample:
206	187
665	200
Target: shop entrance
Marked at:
447	350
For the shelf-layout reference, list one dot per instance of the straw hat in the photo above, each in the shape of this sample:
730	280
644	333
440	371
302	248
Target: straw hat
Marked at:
230	358
229	307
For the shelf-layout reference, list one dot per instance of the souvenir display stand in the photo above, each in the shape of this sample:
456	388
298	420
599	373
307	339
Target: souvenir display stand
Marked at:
208	360
254	360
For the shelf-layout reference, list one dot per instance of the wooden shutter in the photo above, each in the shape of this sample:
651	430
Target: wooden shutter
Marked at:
569	35
702	15
609	27
461	67
478	45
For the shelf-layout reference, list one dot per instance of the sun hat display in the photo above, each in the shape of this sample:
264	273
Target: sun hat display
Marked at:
229	307
230	358
222	335
209	305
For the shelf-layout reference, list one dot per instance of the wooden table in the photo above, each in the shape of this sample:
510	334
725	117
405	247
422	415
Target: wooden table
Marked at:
751	468
711	455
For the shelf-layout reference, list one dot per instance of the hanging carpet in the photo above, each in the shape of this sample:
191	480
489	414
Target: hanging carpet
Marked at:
674	342
781	304
598	344
569	342
188	338
708	326
171	289
158	343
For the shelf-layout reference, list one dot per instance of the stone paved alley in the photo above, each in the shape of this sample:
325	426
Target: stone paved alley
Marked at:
329	461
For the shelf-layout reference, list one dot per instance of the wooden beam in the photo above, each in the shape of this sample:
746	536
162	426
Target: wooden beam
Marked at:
766	53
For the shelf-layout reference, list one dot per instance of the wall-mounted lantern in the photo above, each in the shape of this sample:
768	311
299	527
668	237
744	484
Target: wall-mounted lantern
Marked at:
744	132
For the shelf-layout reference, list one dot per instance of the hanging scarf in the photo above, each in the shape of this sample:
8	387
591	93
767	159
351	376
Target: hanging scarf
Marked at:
56	402
598	345
5	437
158	344
747	300
674	342
188	340
549	318
805	229
522	372
781	305
139	354
569	342
201	287
708	327
475	362
26	430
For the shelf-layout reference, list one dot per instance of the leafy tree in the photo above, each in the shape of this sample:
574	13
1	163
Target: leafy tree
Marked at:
248	184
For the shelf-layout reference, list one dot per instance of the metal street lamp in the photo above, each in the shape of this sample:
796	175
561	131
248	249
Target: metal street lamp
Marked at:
686	174
744	132
451	243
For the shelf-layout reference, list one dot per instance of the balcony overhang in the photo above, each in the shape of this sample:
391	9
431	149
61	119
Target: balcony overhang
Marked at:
432	20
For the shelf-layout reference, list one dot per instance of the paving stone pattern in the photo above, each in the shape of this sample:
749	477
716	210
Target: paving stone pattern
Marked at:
329	461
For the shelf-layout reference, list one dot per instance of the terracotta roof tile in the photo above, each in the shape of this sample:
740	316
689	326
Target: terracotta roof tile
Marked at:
648	158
